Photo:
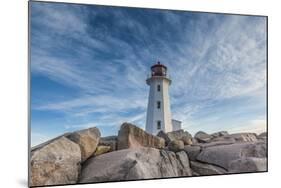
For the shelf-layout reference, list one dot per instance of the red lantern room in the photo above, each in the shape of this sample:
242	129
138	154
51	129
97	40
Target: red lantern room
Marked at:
158	70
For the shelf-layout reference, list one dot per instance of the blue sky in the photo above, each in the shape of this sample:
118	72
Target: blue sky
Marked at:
89	65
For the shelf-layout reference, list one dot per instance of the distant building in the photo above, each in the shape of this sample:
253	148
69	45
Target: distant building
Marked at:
158	111
176	125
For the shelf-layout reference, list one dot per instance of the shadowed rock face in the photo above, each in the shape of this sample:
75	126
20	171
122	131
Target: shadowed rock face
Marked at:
109	141
57	162
176	145
130	136
192	151
87	139
262	136
206	169
131	164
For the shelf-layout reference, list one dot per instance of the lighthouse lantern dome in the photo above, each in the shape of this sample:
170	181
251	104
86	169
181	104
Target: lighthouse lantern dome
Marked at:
158	70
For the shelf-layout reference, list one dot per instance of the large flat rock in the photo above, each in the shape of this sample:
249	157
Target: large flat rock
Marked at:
215	143
132	164
244	137
248	164
55	162
223	155
131	136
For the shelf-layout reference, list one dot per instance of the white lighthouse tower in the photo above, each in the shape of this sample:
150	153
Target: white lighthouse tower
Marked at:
158	111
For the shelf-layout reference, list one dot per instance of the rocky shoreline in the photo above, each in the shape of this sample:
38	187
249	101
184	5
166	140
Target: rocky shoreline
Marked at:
86	157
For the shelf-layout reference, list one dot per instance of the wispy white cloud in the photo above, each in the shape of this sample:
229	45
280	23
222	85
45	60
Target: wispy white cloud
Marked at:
109	120
256	125
103	103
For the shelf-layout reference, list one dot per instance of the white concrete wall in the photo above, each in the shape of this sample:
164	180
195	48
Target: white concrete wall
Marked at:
153	113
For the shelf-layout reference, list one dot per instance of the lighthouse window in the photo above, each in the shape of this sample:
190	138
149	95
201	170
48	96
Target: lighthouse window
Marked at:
158	87
158	104
158	124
